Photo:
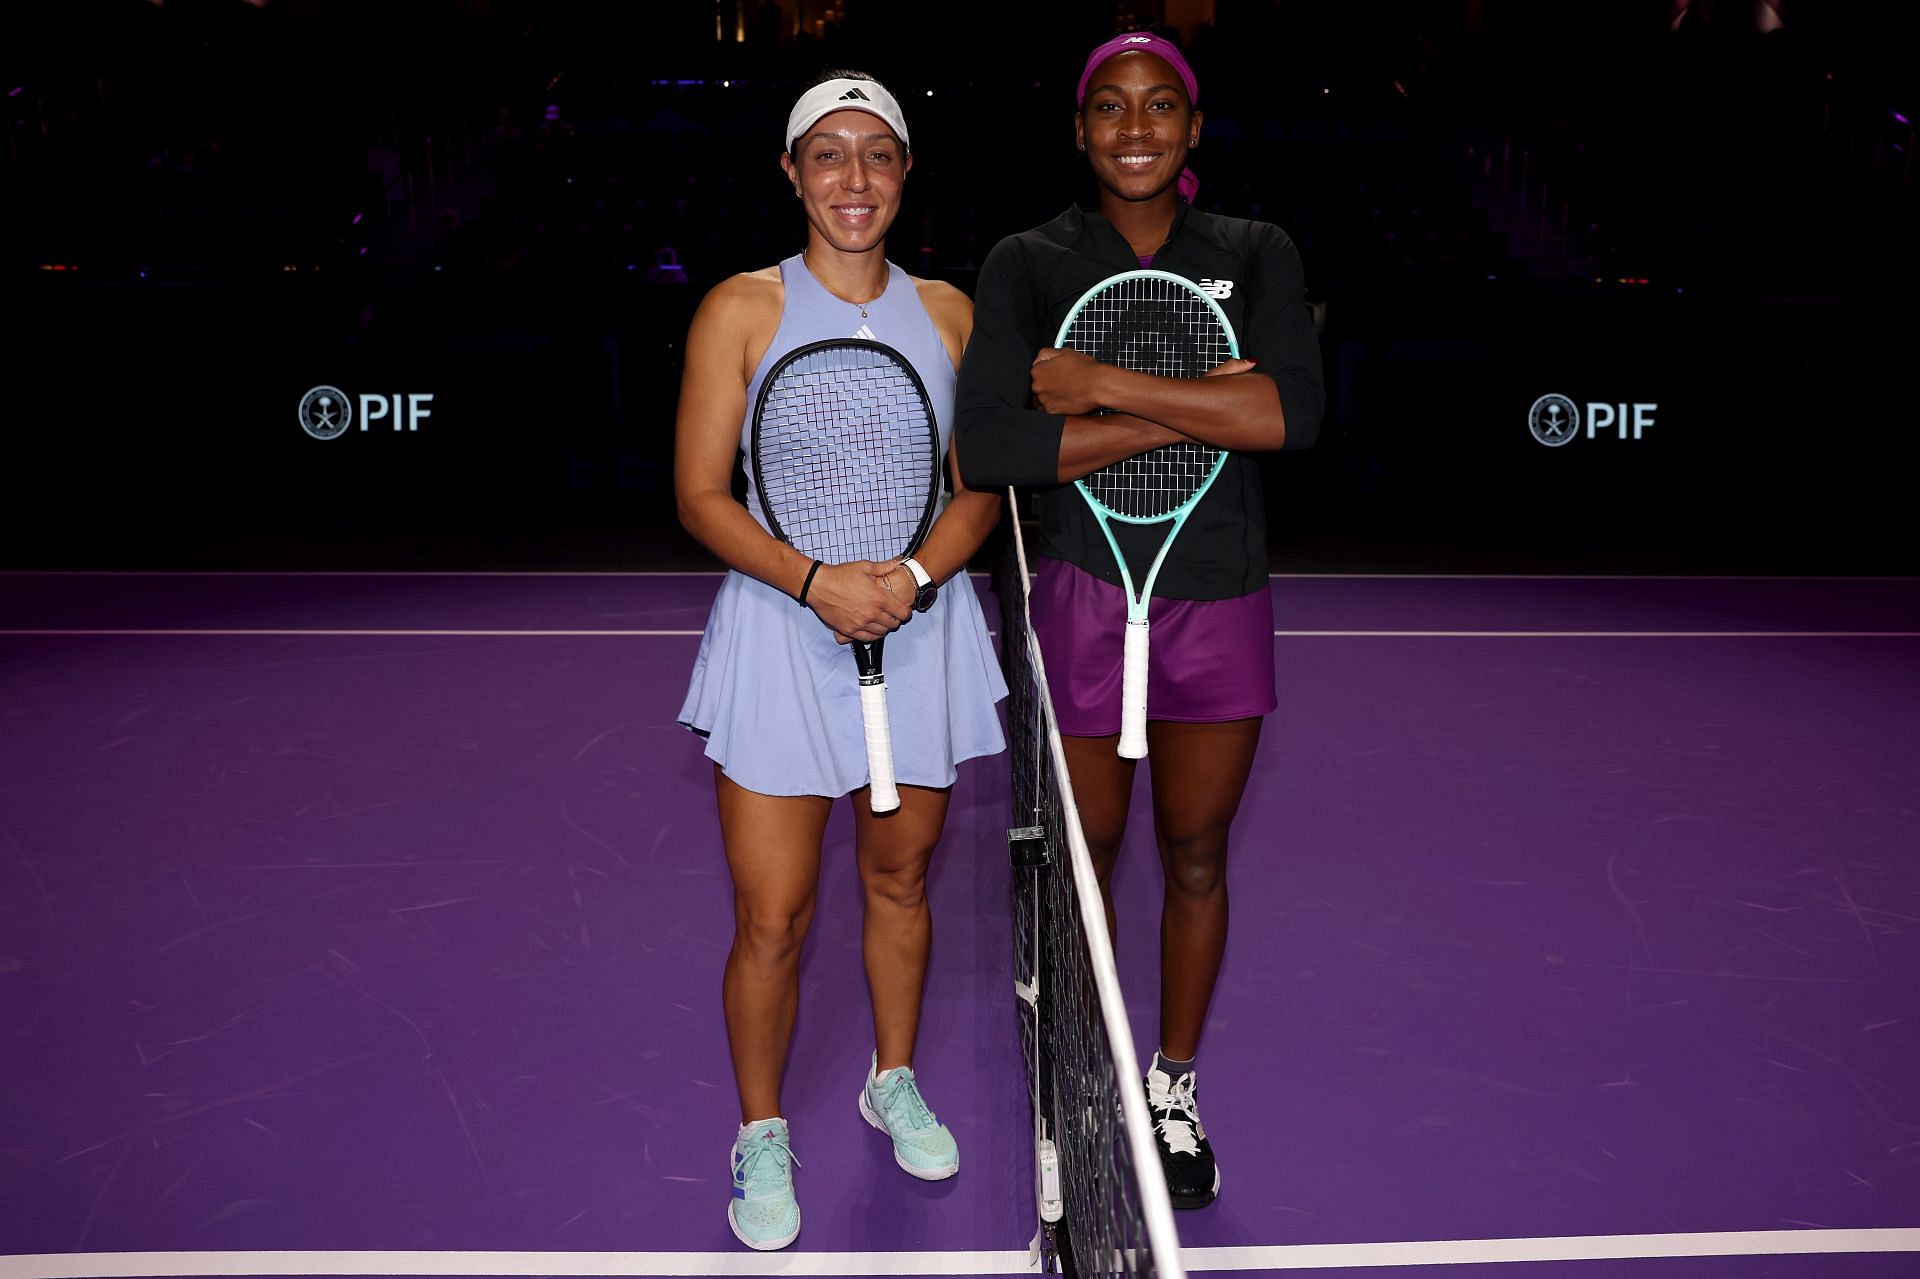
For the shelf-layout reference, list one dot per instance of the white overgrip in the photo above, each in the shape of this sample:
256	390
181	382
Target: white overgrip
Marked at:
1133	691
885	795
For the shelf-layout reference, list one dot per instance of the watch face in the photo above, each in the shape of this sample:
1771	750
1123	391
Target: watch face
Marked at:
924	597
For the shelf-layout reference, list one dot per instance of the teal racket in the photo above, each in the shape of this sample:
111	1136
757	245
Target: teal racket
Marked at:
1160	323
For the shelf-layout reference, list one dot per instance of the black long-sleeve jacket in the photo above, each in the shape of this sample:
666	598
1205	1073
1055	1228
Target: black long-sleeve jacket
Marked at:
1027	286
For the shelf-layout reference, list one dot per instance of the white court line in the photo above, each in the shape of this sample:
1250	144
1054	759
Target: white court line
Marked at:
398	572
409	634
130	1265
713	572
1597	634
329	572
645	634
1459	1252
1597	577
1332	1256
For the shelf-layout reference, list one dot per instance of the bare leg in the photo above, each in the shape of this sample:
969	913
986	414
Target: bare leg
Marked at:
1102	787
1199	773
896	935
773	853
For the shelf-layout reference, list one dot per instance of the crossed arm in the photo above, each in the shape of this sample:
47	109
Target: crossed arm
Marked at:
1231	408
1026	411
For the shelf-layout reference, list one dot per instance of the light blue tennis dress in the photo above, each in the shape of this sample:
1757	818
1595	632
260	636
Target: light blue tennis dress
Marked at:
777	700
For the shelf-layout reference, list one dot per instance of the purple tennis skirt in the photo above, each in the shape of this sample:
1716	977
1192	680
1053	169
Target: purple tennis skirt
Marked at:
1209	660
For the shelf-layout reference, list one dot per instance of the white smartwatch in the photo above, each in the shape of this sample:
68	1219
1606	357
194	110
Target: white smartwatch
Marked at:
924	591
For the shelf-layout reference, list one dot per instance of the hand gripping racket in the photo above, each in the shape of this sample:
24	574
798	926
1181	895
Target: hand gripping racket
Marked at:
1160	323
846	459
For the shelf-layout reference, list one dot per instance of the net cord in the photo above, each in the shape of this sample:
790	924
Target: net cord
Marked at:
1156	1207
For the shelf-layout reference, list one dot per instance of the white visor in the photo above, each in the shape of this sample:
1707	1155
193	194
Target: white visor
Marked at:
845	95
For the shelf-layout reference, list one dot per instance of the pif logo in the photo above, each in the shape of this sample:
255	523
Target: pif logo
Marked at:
326	412
1555	420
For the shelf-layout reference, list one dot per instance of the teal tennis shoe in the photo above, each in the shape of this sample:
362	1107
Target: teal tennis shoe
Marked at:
764	1214
921	1143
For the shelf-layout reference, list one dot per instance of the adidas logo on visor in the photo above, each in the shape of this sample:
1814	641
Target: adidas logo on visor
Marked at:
834	95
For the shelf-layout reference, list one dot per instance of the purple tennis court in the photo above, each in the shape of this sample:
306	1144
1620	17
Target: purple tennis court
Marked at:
382	917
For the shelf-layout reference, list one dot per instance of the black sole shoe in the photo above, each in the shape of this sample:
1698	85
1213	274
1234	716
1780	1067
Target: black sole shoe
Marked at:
1186	1156
1199	1199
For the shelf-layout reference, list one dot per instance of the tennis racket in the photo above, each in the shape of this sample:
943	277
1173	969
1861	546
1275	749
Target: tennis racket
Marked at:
846	459
1160	323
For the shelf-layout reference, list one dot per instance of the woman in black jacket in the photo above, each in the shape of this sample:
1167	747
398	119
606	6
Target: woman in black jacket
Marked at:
1029	414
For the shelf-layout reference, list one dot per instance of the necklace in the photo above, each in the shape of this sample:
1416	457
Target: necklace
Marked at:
861	306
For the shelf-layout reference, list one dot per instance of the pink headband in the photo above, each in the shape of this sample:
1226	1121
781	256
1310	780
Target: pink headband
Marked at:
1139	42
1165	50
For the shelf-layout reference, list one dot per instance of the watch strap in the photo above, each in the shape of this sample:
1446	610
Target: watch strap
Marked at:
924	591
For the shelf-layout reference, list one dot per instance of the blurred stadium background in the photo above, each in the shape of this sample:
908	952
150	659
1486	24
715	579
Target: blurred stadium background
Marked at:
488	222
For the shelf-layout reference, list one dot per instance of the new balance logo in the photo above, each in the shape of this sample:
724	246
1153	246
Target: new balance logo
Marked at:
866	333
854	95
1217	289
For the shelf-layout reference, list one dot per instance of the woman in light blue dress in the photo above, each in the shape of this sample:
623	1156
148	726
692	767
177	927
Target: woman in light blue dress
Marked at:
774	692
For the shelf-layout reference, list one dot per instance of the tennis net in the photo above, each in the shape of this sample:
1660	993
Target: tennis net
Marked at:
1102	1202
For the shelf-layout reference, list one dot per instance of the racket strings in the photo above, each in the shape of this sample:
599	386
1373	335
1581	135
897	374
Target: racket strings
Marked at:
1165	328
846	455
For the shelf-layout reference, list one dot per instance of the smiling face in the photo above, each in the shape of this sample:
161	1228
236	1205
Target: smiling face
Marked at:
1136	126
847	171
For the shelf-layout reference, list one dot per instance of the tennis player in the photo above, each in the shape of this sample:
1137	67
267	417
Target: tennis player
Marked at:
1027	416
774	692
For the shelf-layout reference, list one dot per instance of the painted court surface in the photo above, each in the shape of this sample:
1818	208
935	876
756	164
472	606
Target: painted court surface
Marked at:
387	913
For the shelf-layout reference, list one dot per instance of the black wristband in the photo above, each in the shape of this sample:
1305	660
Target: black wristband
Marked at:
807	585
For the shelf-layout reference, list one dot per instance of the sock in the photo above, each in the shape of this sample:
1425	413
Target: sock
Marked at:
1174	1069
759	1123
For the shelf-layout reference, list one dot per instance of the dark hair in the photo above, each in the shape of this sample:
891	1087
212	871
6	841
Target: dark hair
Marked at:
831	73
834	73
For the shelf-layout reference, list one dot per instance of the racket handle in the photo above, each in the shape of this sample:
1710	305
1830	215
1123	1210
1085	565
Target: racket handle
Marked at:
1133	692
885	796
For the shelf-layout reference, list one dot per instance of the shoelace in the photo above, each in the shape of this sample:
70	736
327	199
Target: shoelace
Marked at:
903	1105
764	1165
1172	1102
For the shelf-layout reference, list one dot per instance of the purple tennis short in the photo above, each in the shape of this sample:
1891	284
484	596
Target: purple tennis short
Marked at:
1209	660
